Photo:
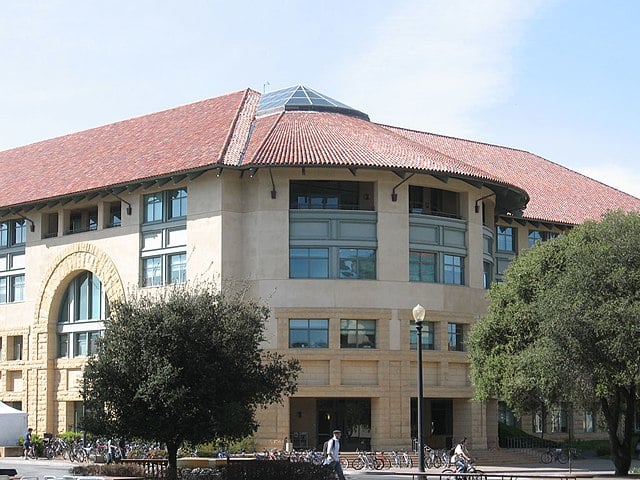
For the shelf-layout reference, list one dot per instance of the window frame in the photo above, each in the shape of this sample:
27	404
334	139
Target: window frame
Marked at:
428	336
455	338
506	239
453	273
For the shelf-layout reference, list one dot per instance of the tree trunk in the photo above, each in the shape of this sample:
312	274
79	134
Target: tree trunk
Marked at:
172	453
620	407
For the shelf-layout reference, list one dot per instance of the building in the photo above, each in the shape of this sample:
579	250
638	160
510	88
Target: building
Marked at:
341	223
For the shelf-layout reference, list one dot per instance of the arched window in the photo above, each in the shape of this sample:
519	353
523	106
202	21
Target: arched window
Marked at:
82	311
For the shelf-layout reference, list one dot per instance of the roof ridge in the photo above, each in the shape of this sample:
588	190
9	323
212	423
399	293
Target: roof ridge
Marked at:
232	128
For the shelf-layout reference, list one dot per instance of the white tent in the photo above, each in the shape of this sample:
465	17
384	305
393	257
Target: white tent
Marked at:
13	424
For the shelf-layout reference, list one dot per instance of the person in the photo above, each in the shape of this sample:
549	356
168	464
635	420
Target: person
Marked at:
461	457
333	454
122	445
28	443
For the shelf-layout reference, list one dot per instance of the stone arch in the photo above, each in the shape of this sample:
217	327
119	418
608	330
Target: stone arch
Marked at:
78	257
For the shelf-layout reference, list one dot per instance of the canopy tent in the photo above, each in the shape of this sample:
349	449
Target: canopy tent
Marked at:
13	424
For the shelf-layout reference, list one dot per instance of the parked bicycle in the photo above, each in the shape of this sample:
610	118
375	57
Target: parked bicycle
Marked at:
367	460
401	460
557	454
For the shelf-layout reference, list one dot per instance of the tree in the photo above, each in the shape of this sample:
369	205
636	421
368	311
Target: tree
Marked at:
183	364
565	326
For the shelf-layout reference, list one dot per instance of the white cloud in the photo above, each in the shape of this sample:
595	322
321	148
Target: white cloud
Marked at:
434	63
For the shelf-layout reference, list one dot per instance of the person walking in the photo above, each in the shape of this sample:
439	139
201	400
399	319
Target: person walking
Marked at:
28	444
333	454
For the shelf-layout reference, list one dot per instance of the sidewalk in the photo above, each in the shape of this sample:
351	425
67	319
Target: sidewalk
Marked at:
595	466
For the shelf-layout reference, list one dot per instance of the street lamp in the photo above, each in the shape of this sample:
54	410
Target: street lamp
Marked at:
418	316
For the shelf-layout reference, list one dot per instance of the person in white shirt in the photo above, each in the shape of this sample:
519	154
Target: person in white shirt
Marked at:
461	456
333	454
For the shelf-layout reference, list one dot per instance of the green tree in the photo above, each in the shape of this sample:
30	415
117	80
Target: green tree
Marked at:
184	364
565	326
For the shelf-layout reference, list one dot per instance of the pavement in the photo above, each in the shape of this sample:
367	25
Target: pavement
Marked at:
38	469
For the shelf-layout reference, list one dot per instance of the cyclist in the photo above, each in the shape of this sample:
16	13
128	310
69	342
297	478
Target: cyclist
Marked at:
461	457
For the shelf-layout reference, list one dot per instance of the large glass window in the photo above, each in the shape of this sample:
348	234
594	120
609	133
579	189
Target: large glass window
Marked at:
506	239
13	232
309	263
434	201
453	270
84	301
589	422
152	272
357	334
357	263
428	336
153	207
455	337
422	266
328	194
308	333
487	276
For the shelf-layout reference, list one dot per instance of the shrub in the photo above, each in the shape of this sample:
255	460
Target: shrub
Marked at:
69	437
38	443
109	470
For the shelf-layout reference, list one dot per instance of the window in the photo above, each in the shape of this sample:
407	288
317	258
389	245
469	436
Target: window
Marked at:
538	422
428	335
589	422
537	236
178	205
177	268
12	233
327	194
434	201
11	286
559	419
84	300
164	260
16	288
453	270
165	206
422	266
15	342
357	334
115	215
455	337
308	333
486	274
152	272
357	263
84	304
83	220
50	225
506	239
506	415
309	263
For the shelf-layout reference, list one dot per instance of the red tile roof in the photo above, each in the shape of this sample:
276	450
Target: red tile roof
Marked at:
224	131
176	140
557	194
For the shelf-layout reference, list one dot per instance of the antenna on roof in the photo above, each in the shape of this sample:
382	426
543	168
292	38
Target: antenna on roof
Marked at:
264	86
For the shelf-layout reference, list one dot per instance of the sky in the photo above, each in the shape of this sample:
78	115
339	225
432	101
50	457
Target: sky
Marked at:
558	78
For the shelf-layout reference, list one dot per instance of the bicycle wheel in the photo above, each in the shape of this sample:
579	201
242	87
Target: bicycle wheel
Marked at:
344	463
357	464
546	457
407	462
49	453
563	457
437	461
378	464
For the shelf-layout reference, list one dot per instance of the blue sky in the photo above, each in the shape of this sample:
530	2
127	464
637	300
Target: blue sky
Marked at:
559	78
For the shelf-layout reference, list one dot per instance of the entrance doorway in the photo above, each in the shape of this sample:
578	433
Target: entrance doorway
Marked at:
313	420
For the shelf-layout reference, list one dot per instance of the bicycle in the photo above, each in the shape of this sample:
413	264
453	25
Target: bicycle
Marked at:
470	472
30	453
368	460
557	454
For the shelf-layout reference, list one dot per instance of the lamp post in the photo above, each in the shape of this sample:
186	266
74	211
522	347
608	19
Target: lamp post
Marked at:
418	316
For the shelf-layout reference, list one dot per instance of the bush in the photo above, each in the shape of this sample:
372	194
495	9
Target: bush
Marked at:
109	470
70	437
262	470
37	442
